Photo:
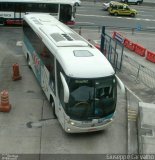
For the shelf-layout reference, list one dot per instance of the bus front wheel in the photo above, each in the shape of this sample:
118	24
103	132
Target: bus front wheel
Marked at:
53	106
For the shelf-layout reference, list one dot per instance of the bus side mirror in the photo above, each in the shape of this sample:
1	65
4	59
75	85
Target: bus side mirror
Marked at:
66	89
121	85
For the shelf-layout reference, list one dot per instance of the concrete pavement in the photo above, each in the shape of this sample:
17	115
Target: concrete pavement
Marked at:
146	128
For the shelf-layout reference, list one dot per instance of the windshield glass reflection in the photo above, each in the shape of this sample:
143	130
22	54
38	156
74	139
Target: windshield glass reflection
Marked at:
91	98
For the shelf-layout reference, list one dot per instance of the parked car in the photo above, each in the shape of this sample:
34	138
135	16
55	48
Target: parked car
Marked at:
122	9
77	2
106	5
132	1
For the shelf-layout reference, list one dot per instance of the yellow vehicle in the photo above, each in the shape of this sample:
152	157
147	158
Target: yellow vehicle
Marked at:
122	9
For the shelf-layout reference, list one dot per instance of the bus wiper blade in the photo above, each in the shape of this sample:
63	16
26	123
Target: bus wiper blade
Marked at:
93	117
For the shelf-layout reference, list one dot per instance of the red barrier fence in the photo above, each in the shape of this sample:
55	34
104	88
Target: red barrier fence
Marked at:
113	35
140	50
129	44
97	46
150	56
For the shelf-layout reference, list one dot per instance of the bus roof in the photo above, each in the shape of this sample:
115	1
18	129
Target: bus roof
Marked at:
76	55
41	1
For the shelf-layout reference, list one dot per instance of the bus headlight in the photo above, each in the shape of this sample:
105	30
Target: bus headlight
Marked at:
68	129
72	123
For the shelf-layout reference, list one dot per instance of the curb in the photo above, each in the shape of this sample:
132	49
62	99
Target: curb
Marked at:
132	130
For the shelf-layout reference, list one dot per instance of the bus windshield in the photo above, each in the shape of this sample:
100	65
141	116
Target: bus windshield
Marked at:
91	98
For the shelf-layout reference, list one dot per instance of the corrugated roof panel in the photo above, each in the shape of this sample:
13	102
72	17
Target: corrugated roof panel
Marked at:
61	38
74	36
57	37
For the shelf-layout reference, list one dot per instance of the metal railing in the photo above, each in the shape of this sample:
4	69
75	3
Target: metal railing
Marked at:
113	50
133	30
139	72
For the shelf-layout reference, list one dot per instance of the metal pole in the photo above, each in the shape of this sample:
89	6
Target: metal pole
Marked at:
137	77
132	31
80	31
102	40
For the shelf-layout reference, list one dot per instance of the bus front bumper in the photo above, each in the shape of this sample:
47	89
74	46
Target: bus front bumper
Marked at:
74	128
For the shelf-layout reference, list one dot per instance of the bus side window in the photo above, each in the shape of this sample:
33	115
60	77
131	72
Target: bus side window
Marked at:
48	60
45	53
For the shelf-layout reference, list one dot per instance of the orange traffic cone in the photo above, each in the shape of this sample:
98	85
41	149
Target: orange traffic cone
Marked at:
4	105
16	74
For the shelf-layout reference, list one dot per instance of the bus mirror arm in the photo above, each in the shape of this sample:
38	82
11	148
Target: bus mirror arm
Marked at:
120	84
66	89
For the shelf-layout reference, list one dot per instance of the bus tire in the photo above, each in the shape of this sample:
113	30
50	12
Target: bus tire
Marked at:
53	106
28	61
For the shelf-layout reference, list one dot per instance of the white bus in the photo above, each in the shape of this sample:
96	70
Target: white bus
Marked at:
76	77
12	11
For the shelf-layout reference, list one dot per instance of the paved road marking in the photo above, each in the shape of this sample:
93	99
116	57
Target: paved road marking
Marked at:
85	22
19	43
99	16
132	115
146	15
151	27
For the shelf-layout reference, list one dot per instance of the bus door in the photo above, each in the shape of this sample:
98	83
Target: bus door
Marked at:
65	13
53	9
17	12
45	77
